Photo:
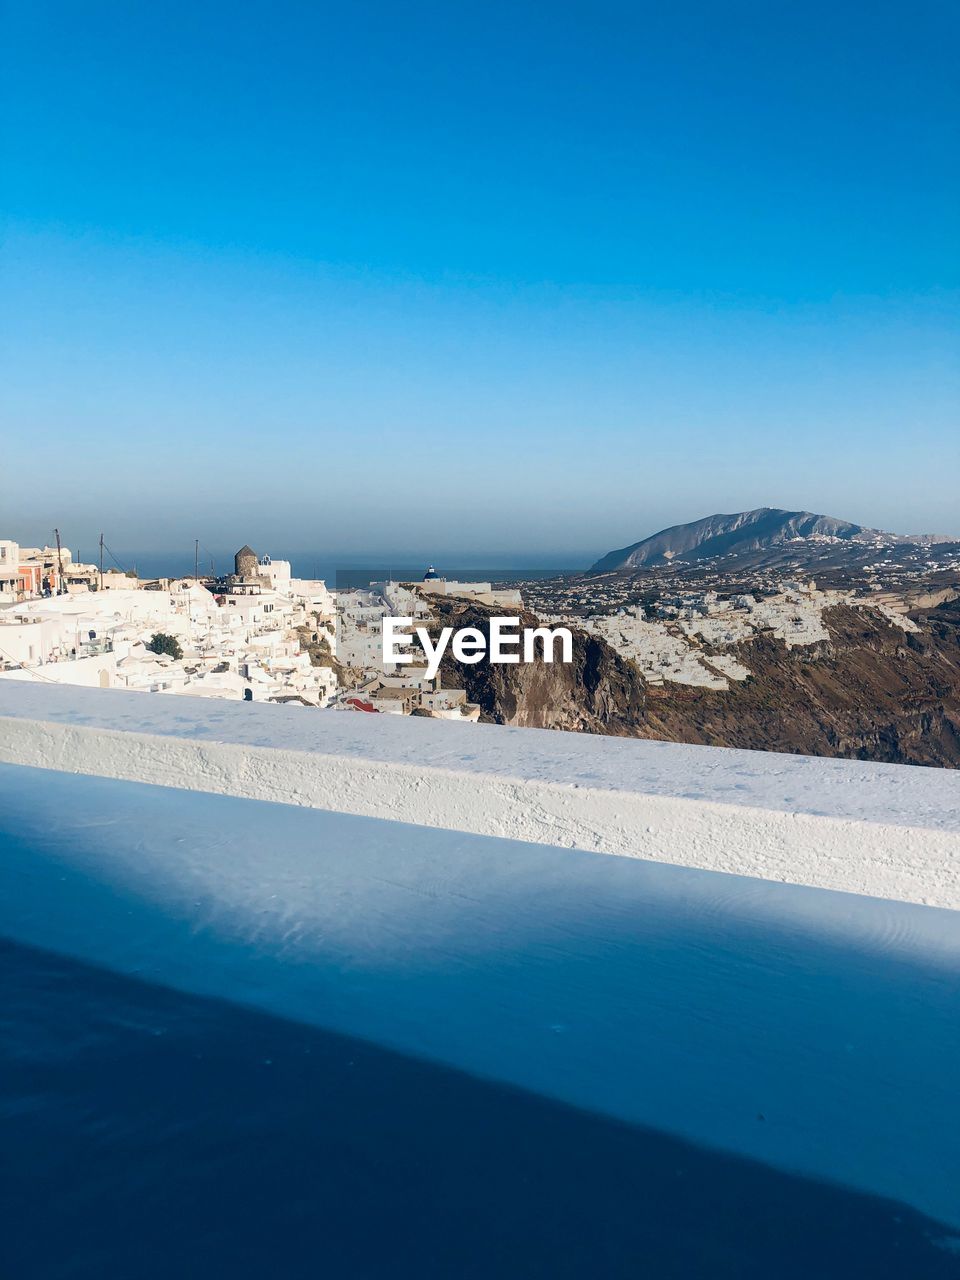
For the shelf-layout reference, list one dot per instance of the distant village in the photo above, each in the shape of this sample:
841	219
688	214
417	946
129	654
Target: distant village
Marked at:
255	635
678	633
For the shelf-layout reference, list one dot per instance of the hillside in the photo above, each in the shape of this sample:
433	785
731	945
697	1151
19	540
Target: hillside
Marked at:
871	692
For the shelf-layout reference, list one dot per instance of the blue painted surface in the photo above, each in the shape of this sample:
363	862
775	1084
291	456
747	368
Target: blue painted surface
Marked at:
151	1134
815	1033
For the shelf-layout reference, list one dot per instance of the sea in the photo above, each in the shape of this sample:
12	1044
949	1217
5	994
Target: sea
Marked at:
350	569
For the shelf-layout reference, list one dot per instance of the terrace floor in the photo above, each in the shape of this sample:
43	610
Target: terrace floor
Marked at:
245	1038
150	1133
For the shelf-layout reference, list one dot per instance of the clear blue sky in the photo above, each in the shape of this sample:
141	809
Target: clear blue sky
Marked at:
509	277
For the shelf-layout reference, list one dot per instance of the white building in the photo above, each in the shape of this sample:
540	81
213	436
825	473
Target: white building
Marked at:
9	569
233	645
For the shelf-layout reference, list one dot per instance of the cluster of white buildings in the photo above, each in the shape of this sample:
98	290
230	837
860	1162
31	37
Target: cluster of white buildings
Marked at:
669	646
406	689
27	573
257	635
240	638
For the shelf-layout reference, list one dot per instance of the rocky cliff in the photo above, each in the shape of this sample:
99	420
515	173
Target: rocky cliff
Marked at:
599	692
872	692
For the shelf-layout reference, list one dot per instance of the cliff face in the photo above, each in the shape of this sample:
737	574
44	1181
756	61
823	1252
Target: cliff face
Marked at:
873	692
599	692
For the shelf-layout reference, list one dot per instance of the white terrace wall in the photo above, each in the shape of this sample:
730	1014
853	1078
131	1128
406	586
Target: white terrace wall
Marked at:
888	831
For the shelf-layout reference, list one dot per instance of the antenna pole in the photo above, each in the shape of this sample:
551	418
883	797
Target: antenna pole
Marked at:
196	559
59	564
101	562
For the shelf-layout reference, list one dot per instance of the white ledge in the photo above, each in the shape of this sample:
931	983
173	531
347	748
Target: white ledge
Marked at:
889	831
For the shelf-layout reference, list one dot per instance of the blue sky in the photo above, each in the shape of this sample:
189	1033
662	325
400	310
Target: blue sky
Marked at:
509	278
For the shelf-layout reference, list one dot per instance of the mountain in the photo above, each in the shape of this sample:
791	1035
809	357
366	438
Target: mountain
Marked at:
764	535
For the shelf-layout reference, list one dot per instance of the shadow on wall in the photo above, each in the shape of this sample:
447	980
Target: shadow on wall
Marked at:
154	1134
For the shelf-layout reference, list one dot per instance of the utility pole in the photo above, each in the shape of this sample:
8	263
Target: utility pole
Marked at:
59	564
101	562
196	559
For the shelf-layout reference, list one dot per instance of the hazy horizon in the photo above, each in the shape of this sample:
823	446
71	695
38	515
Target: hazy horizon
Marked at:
536	283
337	553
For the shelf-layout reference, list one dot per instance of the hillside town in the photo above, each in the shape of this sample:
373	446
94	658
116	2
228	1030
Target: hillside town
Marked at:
257	634
686	638
699	636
